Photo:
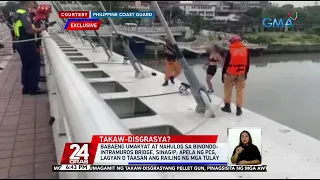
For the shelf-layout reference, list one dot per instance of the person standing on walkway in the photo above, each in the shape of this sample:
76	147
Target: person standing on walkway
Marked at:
25	32
173	68
10	22
40	16
211	65
235	70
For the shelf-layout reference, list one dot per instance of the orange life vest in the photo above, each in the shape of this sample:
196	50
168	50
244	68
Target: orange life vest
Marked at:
238	59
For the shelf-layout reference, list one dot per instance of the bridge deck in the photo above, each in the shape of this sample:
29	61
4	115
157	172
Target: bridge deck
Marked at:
174	109
26	144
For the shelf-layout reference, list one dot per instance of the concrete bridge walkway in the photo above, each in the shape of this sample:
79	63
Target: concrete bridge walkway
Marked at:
26	144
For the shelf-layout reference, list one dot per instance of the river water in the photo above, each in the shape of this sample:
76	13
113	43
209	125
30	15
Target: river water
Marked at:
282	87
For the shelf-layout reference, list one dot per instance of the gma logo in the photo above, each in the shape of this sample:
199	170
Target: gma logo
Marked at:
269	22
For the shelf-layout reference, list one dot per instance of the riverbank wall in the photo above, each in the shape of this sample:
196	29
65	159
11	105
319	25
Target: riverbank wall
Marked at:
292	48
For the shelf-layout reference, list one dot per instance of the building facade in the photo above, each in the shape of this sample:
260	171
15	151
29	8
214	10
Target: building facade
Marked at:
162	4
245	5
207	12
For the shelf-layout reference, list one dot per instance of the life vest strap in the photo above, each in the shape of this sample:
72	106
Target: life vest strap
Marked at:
239	67
236	65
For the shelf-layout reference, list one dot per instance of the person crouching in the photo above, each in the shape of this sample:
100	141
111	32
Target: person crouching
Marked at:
172	67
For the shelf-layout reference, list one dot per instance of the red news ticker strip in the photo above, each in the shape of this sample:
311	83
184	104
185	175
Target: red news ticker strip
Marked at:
74	14
83	25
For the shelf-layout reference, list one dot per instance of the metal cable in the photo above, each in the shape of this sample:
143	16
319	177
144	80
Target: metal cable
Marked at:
27	40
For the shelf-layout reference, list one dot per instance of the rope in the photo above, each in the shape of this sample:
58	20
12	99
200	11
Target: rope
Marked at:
193	129
27	40
215	110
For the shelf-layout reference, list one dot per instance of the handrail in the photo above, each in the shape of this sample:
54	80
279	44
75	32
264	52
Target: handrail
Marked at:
86	112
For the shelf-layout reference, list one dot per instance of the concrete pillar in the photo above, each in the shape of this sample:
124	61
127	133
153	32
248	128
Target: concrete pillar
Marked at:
111	43
156	52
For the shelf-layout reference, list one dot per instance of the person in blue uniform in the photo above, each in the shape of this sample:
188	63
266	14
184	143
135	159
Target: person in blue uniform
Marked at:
25	32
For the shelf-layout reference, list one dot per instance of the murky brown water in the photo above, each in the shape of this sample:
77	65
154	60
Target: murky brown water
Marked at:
283	87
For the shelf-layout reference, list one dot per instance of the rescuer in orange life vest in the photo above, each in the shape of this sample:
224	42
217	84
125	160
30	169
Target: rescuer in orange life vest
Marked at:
234	72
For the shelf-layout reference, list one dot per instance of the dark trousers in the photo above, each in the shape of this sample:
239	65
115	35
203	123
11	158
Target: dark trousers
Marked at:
13	39
30	72
39	59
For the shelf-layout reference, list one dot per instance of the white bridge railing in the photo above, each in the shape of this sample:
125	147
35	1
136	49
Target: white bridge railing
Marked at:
78	109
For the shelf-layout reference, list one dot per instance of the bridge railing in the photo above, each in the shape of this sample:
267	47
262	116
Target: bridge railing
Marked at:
78	109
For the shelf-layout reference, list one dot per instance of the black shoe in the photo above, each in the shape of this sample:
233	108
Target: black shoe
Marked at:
165	83
42	79
24	91
39	91
172	79
226	108
239	111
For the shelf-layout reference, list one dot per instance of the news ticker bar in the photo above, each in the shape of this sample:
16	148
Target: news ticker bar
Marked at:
160	168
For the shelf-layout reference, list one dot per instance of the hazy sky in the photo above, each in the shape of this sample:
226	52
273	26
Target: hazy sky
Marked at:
295	3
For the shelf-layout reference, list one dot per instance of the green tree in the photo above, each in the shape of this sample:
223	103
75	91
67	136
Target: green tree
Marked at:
288	7
175	13
195	22
255	13
114	6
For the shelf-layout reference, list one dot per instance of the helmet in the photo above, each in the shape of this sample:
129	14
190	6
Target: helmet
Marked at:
235	38
44	8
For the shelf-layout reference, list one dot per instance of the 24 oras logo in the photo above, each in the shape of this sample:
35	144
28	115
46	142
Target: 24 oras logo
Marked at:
75	153
280	23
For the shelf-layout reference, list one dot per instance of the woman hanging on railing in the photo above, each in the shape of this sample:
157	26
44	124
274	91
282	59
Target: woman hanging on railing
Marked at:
172	69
